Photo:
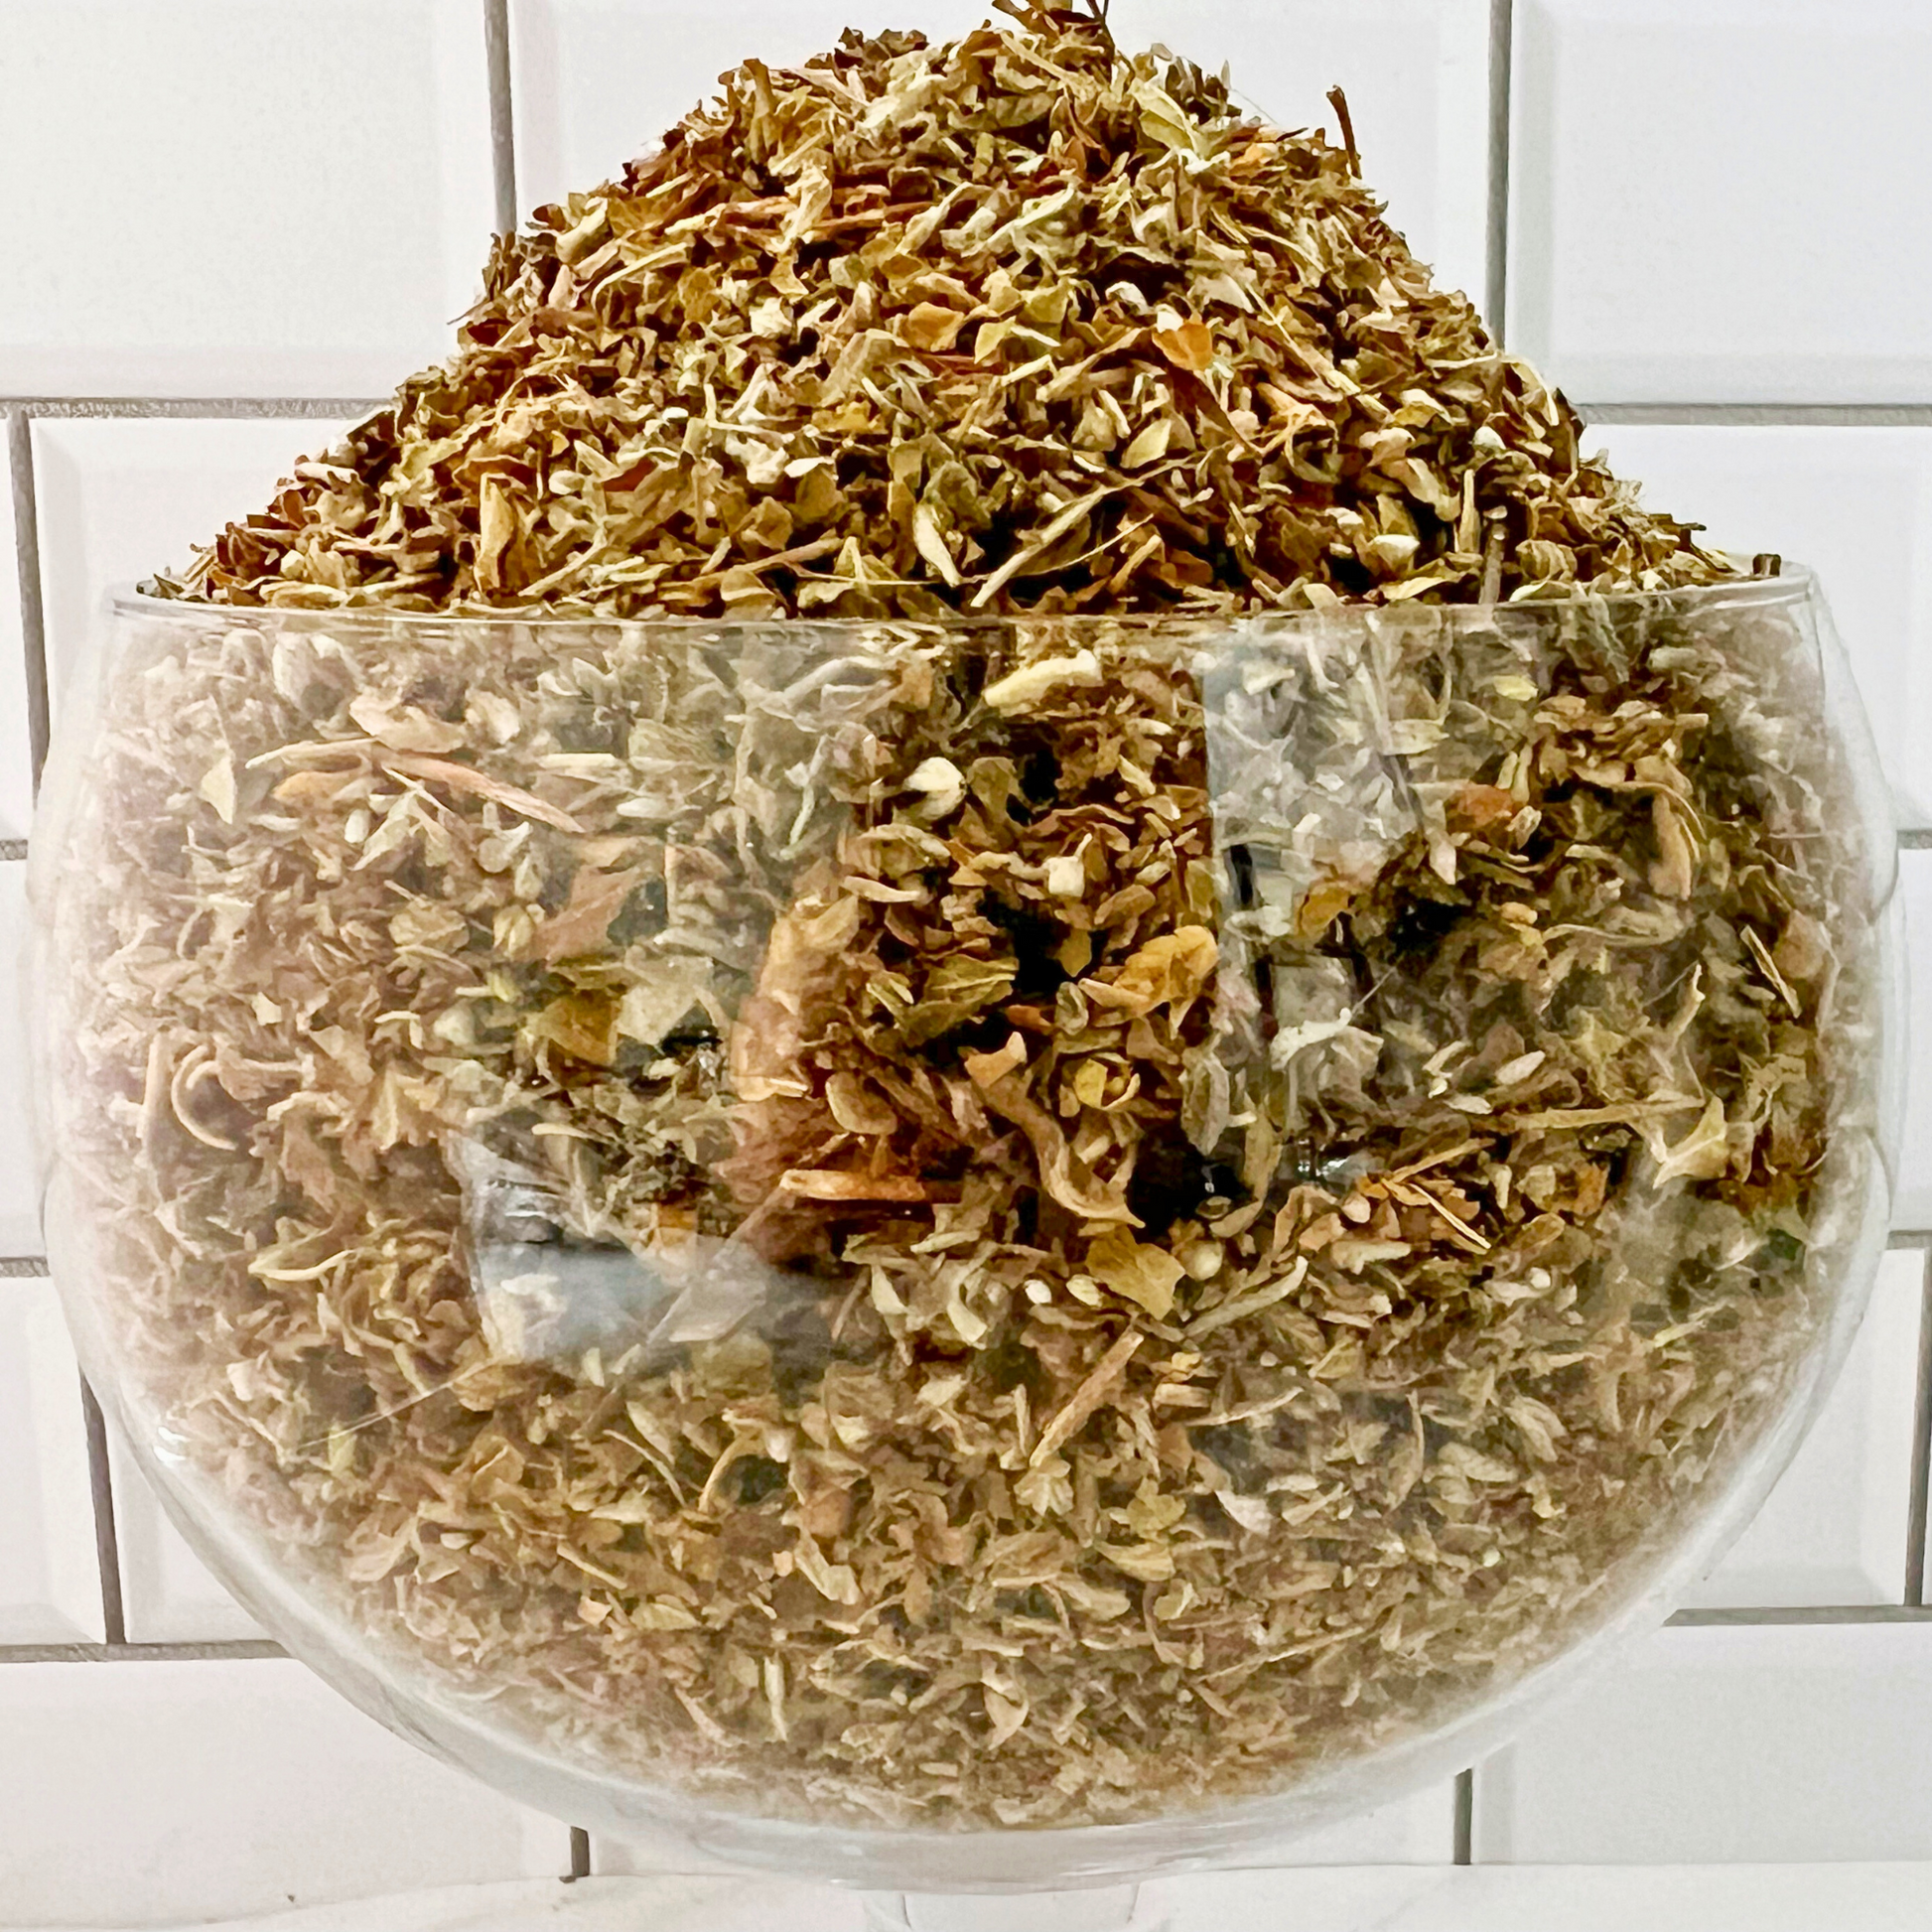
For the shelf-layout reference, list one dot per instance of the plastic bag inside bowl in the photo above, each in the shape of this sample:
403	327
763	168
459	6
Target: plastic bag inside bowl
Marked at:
951	1228
1316	753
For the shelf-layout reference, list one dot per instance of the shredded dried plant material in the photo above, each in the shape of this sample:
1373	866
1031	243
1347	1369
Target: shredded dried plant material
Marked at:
1020	1222
970	1227
1013	324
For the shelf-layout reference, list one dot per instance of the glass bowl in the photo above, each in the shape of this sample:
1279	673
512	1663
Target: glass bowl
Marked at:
938	1255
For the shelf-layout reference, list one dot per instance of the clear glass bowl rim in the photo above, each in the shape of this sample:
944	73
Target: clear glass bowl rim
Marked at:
1794	583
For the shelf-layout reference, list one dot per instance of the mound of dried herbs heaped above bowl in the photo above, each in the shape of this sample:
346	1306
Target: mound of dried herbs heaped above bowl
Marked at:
1015	324
1014	1222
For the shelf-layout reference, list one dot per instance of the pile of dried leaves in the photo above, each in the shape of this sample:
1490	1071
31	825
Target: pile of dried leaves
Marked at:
1242	1171
1015	324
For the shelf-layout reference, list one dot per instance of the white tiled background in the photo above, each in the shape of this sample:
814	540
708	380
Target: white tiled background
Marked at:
229	224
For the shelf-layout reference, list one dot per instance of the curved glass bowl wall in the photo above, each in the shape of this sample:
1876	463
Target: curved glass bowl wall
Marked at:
545	1173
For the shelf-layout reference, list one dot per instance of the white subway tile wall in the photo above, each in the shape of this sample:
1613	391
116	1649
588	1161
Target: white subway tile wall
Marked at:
1830	1532
20	1215
1855	504
167	1595
599	81
49	1585
1723	1744
164	1791
16	751
1417	1830
1698	187
120	497
224	199
224	217
1913	1204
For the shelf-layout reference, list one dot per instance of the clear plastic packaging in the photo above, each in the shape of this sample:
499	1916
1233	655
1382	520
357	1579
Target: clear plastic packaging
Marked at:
950	1256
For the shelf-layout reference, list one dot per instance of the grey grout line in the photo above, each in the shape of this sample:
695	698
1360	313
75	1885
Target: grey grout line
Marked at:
1915	1518
107	1553
1817	415
580	1854
1801	1613
244	1649
190	406
27	561
240	1650
1881	415
23	1267
1916	839
1495	293
502	112
1465	1817
36	1263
